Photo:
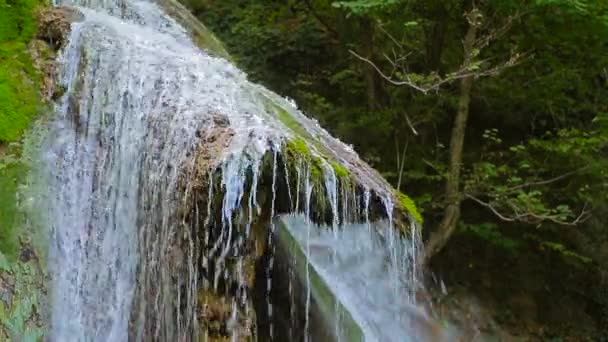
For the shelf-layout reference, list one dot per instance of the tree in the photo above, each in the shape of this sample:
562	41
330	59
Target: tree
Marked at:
481	32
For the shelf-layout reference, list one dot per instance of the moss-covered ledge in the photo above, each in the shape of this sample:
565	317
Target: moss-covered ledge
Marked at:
347	165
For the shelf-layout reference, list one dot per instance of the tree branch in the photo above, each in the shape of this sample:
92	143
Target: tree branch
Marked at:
530	217
464	72
489	206
408	83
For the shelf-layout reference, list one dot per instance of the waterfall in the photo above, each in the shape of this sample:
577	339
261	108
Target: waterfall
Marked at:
122	157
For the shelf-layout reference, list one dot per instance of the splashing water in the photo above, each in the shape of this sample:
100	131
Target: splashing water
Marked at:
140	99
358	268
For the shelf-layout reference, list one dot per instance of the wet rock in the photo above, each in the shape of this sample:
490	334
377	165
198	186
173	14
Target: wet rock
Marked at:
55	23
43	58
219	322
214	140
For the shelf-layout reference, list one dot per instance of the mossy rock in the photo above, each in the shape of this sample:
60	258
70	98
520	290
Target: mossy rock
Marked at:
407	204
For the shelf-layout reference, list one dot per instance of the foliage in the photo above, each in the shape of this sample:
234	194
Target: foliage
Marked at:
556	177
562	250
365	6
20	280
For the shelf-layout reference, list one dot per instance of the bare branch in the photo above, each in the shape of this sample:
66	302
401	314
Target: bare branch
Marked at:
468	68
434	167
409	122
390	36
530	217
401	161
489	206
464	72
390	79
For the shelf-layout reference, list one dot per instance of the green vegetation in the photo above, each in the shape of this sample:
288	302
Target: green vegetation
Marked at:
341	171
492	235
19	97
561	249
409	205
299	147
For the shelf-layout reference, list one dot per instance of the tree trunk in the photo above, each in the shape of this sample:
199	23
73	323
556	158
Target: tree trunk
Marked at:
453	194
436	38
369	73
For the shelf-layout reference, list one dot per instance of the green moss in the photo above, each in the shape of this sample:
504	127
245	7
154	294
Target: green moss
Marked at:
19	96
341	171
409	205
17	22
19	104
205	39
316	168
299	147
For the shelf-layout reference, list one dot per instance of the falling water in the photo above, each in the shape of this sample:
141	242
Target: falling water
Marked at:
358	268
140	100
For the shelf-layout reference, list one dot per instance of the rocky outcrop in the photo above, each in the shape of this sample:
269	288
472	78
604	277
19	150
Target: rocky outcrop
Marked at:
55	25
